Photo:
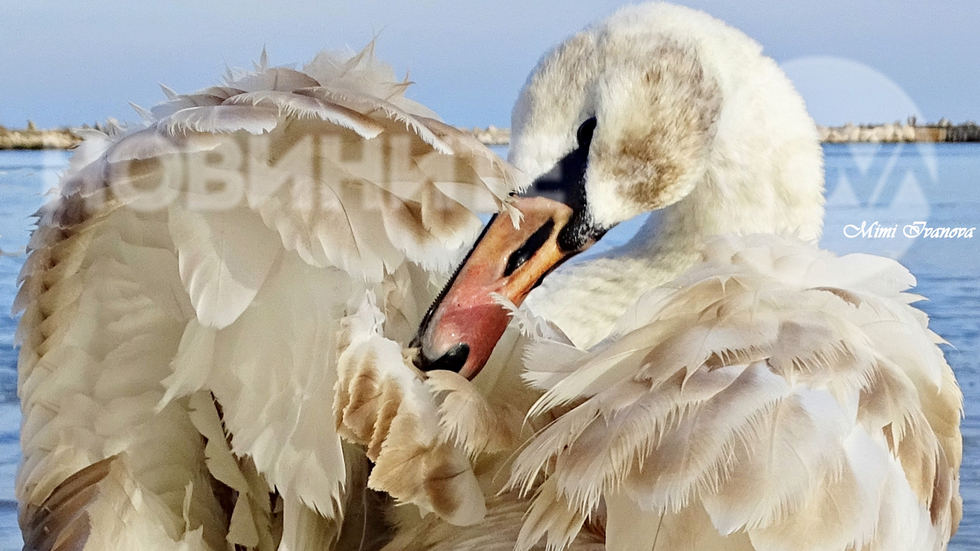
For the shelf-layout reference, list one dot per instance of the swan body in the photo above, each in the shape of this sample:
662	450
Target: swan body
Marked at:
717	383
772	397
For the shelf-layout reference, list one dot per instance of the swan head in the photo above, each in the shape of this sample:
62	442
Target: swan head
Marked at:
658	108
617	125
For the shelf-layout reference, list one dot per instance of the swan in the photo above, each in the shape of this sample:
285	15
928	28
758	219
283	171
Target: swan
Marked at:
218	350
719	382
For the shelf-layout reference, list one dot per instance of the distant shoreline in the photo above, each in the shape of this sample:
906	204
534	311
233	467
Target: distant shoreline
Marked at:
943	131
33	138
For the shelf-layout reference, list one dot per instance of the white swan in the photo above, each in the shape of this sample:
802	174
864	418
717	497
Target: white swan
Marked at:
718	383
187	373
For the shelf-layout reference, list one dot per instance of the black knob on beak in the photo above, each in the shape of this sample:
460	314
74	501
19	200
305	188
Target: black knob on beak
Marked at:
454	360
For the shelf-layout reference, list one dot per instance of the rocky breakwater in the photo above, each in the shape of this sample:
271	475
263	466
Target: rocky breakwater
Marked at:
492	135
33	138
910	131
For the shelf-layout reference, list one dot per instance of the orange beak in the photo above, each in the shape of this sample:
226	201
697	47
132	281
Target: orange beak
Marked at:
461	329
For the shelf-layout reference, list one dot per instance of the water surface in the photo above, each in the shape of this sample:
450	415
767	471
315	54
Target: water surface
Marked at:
894	185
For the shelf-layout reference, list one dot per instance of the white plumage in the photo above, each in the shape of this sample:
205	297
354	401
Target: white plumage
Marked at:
230	369
791	395
190	283
718	382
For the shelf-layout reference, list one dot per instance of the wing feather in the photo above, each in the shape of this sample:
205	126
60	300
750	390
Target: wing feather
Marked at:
184	295
220	119
785	392
309	107
224	259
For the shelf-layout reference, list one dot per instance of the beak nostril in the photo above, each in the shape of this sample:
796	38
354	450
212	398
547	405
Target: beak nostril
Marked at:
454	360
530	246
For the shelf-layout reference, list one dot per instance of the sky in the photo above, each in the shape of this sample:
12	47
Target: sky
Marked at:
68	63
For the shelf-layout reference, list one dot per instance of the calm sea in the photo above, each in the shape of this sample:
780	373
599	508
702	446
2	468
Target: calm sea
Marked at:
881	199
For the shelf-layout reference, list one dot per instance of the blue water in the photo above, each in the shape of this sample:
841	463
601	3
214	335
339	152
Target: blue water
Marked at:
893	185
24	178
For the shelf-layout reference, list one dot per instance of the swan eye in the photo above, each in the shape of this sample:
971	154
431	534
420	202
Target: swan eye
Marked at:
585	132
531	246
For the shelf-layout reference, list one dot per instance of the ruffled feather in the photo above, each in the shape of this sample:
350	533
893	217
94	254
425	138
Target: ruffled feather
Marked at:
184	295
754	386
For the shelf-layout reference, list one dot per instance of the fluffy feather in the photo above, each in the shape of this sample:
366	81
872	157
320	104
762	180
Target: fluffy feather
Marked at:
794	361
184	294
384	404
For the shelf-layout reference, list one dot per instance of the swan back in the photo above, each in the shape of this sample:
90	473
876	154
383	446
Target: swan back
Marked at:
186	295
774	397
